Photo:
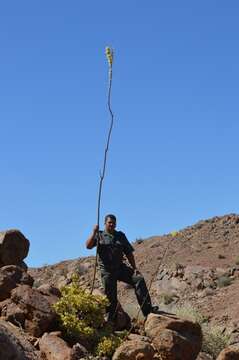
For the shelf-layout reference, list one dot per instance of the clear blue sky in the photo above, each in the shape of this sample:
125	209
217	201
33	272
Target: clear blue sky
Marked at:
173	158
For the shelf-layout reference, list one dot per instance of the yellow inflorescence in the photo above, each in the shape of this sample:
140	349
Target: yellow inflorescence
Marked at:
109	55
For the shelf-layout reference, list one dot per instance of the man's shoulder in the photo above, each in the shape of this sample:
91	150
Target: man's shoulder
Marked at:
121	235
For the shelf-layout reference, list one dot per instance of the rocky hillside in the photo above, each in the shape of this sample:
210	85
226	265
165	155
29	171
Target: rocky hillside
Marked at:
197	267
192	274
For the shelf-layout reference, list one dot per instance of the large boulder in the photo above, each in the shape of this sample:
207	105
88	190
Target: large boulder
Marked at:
10	277
174	338
36	307
229	353
204	356
122	319
78	351
14	247
54	348
14	345
135	348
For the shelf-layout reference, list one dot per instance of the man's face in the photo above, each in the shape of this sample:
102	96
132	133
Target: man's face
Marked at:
110	225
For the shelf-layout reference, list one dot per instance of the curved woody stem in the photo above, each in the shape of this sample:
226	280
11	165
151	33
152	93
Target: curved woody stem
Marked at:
109	54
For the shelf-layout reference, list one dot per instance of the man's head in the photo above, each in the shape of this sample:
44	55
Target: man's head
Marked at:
110	223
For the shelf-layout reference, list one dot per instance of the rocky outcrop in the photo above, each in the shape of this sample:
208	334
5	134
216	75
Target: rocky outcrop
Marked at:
10	277
135	348
36	307
54	348
14	247
174	338
14	345
204	356
229	353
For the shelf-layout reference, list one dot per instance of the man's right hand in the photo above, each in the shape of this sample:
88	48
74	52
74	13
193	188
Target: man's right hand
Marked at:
90	243
95	229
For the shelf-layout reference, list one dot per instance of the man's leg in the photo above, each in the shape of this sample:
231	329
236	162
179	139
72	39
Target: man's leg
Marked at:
109	282
137	281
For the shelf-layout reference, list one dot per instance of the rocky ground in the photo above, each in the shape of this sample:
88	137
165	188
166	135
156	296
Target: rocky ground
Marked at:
200	269
193	273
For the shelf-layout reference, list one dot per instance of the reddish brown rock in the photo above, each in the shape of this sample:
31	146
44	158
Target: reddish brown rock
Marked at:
13	313
54	348
204	356
78	351
14	247
49	290
122	320
229	353
14	345
10	276
37	308
174	338
138	348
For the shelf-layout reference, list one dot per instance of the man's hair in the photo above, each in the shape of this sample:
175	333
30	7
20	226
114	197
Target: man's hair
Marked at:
110	216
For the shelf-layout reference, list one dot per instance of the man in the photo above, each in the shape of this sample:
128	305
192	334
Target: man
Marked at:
112	246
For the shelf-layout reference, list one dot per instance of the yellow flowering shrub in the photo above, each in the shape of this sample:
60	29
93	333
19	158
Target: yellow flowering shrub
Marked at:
81	313
108	344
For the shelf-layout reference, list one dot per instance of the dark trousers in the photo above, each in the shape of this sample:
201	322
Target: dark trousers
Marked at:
125	274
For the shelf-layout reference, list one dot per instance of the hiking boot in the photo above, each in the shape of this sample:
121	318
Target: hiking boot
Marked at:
155	310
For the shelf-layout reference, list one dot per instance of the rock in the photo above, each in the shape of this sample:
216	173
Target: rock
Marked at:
39	314
136	349
49	290
10	276
122	320
78	351
13	313
14	345
204	356
23	265
174	338
14	247
229	353
54	348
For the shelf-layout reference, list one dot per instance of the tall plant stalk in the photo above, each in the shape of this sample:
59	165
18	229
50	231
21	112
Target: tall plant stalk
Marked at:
109	55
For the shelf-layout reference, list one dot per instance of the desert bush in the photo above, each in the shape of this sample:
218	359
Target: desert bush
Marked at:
223	281
81	315
214	340
191	314
36	284
108	344
139	240
237	260
80	312
167	298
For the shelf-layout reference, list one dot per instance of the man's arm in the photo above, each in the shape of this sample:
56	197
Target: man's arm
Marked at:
131	260
90	243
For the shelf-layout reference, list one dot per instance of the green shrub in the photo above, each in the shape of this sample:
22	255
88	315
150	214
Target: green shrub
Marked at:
81	316
139	240
191	314
167	298
80	312
223	281
107	345
214	340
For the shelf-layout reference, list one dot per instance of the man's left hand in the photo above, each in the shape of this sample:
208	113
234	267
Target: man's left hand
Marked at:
137	272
